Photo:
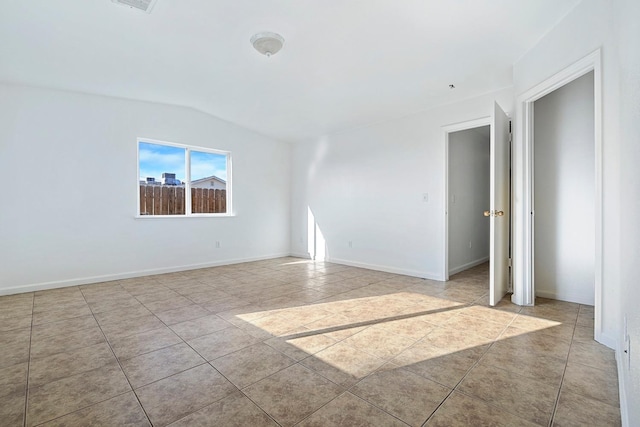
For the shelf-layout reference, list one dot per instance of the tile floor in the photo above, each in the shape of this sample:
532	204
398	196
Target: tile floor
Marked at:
292	342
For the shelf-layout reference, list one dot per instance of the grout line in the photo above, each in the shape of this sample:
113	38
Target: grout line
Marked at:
26	391
117	360
564	371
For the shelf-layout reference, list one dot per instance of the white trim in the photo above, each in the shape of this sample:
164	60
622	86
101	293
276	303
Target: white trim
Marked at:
622	385
447	129
523	289
387	269
468	265
580	298
130	274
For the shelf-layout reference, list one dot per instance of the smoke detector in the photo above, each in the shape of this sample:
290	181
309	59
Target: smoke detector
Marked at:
267	43
143	5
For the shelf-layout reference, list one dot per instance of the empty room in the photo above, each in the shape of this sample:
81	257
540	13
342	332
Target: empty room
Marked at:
319	213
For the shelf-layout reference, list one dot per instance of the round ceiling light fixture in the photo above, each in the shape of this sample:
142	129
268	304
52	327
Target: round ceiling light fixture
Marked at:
267	43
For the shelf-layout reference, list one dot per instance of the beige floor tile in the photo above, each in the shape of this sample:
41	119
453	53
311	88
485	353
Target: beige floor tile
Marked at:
496	315
123	410
251	364
529	399
403	394
534	342
531	365
12	409
61	365
144	342
294	335
591	382
15	322
583	334
198	327
53	344
124	327
463	411
169	304
578	411
349	410
382	343
149	367
300	343
54	316
343	364
187	392
474	325
543	326
410	327
440	365
114	304
222	342
224	304
593	354
121	314
233	411
455	340
15	347
69	394
63	327
292	394
13	379
182	314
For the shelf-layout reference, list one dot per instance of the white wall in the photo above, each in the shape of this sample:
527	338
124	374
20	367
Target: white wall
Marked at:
366	186
469	191
587	28
627	42
564	196
68	161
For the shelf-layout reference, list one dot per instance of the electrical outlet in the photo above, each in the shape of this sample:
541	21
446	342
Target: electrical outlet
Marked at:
217	244
350	244
470	245
425	197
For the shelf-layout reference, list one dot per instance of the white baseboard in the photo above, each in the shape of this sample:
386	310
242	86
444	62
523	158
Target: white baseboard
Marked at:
128	275
468	265
586	298
304	255
388	269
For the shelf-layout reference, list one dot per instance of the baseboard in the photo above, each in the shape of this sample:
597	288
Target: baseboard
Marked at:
388	269
624	411
304	255
130	274
586	299
468	265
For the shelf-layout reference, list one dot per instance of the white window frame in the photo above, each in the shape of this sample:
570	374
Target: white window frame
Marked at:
187	185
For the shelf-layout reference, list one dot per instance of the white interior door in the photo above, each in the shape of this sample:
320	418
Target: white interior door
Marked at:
499	207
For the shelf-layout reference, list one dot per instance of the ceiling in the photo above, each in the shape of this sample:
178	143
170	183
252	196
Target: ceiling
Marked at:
344	63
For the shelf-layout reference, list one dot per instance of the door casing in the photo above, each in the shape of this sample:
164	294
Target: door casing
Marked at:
523	249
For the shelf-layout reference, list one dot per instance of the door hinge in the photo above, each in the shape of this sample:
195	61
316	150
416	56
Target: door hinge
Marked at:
510	265
509	126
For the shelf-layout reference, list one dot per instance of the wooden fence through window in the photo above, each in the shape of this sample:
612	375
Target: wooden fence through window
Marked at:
170	200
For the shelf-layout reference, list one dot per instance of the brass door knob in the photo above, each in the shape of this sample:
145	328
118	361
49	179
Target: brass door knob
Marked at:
487	213
499	213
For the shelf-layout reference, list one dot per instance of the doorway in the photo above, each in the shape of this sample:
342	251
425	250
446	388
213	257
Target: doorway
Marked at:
564	193
468	195
523	231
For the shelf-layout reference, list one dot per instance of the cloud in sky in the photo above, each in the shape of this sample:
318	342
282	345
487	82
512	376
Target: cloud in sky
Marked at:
155	159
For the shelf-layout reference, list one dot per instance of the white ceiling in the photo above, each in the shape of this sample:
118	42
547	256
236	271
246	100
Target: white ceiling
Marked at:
345	63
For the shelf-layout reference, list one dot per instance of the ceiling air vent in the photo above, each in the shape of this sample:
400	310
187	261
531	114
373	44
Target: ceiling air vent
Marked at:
143	5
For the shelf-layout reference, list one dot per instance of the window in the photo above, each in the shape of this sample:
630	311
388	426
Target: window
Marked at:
179	180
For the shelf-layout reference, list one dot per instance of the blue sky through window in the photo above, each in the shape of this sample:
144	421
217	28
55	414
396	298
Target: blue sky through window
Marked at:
155	159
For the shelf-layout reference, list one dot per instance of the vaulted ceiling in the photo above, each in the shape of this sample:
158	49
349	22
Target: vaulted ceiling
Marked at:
345	63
